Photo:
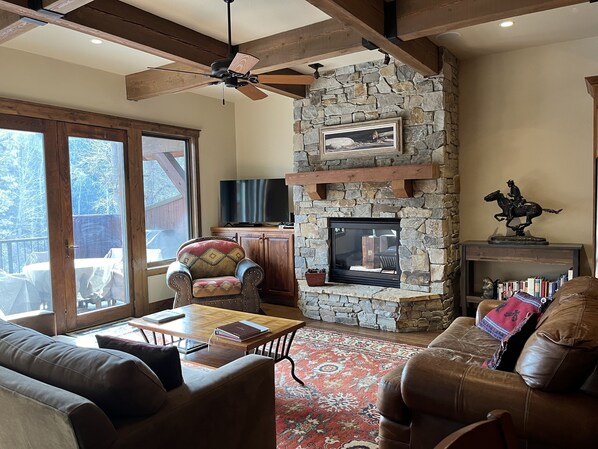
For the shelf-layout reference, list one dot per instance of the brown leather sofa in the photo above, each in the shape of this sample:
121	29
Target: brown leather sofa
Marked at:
552	394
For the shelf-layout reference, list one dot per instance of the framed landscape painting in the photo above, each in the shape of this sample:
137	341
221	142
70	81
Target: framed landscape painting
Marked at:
362	139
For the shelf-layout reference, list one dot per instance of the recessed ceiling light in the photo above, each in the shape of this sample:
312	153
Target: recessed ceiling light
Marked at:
506	24
96	41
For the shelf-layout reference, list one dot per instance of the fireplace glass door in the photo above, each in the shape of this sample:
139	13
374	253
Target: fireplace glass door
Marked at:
365	251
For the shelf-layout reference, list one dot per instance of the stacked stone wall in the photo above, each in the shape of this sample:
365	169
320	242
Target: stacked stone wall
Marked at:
428	253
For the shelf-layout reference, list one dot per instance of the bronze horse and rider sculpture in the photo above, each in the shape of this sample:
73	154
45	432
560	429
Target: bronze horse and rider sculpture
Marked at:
513	205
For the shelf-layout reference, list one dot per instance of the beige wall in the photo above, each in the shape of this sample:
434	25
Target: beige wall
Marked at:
526	115
264	131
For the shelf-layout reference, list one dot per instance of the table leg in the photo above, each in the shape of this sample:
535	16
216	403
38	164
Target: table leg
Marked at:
280	352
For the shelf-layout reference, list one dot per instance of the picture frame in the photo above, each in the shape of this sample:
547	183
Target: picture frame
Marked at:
373	138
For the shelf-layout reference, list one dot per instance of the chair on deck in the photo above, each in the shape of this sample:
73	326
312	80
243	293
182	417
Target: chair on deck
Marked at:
214	271
497	432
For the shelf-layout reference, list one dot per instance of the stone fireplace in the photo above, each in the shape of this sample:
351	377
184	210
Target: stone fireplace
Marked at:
417	190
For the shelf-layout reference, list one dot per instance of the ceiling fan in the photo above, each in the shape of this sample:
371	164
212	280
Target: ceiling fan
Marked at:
234	71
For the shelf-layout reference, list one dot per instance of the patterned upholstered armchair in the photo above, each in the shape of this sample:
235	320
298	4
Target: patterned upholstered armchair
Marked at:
213	271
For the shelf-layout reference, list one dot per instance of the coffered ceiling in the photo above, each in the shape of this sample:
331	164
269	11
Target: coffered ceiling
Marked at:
138	34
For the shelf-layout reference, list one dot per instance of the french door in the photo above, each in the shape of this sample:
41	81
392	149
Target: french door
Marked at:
63	233
94	233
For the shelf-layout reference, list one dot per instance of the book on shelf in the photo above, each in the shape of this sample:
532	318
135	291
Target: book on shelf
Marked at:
533	285
163	316
240	330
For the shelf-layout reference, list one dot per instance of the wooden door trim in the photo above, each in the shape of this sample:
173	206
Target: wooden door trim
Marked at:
74	320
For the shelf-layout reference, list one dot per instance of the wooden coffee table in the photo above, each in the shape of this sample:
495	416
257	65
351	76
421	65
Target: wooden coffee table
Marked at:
199	323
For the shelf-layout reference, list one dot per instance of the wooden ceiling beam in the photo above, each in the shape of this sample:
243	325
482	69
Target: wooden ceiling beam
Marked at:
418	18
132	27
367	18
11	24
135	28
321	40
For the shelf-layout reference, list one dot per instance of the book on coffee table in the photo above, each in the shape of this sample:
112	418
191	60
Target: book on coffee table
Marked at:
240	330
164	316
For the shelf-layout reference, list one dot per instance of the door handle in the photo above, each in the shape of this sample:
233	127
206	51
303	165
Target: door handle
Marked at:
68	247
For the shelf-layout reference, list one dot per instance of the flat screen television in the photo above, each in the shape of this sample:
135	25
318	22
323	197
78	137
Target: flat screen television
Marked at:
254	201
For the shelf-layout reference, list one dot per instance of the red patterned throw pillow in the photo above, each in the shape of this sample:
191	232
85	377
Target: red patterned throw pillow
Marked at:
501	321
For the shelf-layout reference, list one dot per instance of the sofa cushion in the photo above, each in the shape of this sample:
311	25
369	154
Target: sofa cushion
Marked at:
164	361
218	286
563	351
119	383
211	258
506	317
463	336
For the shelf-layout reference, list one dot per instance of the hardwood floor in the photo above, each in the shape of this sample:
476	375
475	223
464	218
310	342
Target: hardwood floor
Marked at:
410	338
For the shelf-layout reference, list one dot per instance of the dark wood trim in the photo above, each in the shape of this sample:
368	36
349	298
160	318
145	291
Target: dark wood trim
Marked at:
592	86
138	291
43	321
27	109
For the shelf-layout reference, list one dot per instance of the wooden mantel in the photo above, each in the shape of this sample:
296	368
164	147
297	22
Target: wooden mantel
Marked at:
399	176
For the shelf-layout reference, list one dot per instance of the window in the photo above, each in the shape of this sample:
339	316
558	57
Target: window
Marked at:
166	196
23	222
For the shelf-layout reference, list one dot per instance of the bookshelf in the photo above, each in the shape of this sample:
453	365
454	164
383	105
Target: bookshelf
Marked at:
477	256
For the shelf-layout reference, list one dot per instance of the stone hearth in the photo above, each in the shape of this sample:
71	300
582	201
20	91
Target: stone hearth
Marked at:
372	306
429	219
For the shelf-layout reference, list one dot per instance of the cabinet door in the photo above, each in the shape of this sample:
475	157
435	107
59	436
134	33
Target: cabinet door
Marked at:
253	244
279	260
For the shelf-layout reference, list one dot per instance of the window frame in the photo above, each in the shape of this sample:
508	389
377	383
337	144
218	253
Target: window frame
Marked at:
134	200
193	198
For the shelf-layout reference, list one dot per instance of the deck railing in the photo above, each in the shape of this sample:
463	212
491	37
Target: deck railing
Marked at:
14	253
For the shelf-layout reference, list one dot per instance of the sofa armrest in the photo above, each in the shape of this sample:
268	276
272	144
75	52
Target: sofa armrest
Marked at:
35	414
249	272
465	393
178	278
230	407
486	306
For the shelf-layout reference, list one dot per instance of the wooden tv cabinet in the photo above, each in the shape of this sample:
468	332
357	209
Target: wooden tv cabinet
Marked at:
274	250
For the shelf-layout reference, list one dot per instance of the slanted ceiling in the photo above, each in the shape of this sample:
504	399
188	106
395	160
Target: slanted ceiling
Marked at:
399	28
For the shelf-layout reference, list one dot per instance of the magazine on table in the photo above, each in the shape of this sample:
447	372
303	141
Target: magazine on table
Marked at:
164	316
241	330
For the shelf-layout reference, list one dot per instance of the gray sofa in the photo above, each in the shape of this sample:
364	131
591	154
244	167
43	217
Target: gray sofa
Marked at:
227	408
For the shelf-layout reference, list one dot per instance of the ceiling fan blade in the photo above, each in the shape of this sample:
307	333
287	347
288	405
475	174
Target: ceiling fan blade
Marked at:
286	79
164	69
242	63
252	92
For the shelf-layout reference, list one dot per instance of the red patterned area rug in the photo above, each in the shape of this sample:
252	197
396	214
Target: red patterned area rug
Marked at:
336	408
